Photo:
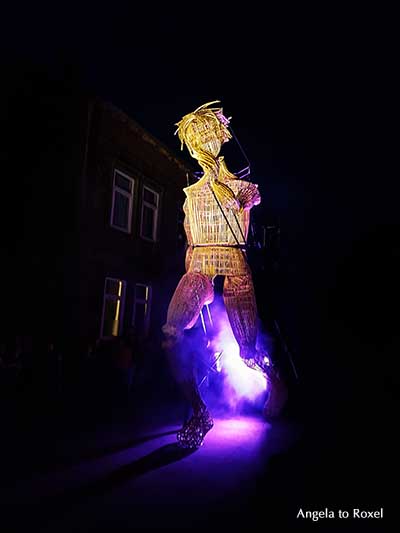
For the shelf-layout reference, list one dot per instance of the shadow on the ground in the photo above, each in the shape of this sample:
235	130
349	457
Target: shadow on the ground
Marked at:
49	463
115	448
163	456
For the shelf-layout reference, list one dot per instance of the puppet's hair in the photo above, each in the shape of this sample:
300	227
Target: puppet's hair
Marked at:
192	129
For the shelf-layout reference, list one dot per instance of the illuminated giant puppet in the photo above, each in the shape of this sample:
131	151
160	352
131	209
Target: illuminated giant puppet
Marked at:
217	217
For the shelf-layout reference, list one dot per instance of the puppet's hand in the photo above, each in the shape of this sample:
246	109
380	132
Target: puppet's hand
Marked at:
233	204
248	196
224	195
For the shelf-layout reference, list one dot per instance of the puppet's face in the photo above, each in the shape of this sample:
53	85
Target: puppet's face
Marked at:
206	136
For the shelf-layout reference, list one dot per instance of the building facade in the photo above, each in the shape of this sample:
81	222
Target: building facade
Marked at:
131	240
95	243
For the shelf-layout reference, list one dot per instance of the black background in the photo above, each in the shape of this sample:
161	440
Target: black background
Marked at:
309	91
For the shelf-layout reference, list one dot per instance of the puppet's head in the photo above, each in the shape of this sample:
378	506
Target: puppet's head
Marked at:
204	131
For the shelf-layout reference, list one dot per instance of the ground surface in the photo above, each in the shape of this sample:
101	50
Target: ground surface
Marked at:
89	467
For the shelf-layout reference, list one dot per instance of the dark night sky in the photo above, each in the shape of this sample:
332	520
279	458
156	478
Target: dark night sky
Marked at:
306	89
300	85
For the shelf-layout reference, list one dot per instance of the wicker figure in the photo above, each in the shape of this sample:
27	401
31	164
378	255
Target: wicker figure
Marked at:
217	217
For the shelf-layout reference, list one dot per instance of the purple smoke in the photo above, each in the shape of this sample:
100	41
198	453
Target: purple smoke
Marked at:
241	383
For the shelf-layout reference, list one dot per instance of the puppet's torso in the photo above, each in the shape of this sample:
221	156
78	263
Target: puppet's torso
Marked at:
216	251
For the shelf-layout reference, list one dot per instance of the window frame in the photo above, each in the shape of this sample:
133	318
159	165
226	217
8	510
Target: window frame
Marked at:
155	209
125	193
147	302
107	296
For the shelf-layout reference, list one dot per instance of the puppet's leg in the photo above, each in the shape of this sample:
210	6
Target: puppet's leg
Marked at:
241	308
193	291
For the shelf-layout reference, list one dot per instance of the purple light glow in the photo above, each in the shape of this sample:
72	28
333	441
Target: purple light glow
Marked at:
237	432
240	381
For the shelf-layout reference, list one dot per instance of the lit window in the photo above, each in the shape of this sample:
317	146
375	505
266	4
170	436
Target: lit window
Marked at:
141	308
113	307
122	201
150	204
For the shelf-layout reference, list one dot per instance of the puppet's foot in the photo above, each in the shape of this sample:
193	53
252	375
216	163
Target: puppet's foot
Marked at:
193	432
277	395
259	362
277	389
